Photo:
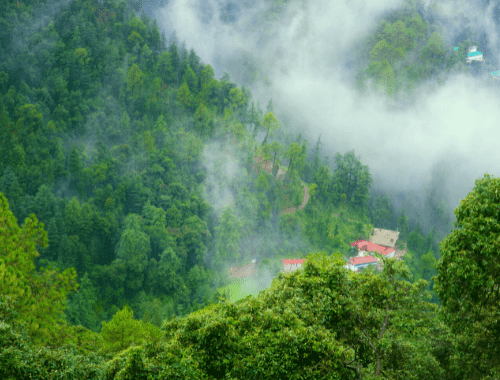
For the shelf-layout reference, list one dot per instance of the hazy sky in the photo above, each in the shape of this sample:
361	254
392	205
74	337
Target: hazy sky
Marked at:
307	60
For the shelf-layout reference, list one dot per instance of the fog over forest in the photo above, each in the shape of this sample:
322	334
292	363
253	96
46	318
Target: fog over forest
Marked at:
443	138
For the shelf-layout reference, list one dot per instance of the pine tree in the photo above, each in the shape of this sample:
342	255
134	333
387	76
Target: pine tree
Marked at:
122	331
176	61
75	165
54	239
44	202
403	227
81	305
41	295
185	96
10	187
190	78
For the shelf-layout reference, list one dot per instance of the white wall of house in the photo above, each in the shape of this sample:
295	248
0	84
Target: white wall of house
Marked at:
361	266
291	267
475	58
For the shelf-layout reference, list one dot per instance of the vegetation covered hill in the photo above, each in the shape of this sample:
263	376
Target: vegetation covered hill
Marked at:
115	242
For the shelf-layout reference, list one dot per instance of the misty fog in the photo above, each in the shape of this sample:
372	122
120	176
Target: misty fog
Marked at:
443	138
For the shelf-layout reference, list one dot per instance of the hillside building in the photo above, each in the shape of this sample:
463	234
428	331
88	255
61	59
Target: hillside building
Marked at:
364	257
290	265
381	241
474	55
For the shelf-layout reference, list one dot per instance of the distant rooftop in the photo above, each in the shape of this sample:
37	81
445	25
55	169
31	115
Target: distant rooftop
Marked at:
495	73
474	53
294	261
372	247
456	48
363	260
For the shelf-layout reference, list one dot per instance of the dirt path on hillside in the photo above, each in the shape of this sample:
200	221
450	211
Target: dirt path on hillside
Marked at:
304	202
268	167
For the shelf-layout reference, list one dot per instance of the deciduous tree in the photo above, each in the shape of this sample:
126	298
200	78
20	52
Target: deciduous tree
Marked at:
270	124
468	279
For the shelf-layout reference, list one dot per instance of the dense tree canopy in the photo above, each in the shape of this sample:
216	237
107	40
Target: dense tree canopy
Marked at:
468	277
134	171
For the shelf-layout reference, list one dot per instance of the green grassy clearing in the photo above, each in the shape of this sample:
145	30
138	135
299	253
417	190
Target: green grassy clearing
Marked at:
241	288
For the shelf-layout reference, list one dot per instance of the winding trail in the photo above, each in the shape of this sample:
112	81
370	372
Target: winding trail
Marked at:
304	202
267	165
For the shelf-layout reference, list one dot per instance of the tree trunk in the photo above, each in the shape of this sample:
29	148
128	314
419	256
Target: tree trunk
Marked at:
274	160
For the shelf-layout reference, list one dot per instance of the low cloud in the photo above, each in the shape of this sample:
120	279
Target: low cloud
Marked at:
307	59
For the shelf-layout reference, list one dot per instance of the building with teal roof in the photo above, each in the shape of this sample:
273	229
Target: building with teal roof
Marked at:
474	55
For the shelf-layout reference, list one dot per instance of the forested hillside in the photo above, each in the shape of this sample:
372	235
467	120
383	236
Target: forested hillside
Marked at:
130	184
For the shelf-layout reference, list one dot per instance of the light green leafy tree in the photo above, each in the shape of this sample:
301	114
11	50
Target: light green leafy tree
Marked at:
41	295
122	331
318	322
468	279
237	99
270	124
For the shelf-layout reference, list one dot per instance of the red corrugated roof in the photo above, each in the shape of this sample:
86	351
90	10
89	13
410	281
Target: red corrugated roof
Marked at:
372	247
363	260
294	261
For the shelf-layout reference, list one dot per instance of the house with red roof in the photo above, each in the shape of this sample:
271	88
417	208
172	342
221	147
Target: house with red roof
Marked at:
292	264
364	258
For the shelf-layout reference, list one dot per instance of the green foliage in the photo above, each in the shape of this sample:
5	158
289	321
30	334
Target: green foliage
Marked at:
135	81
434	51
467	281
296	156
123	331
401	54
185	96
382	213
237	99
81	305
203	121
41	295
190	78
10	187
132	222
403	227
270	124
228	238
352	179
133	250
